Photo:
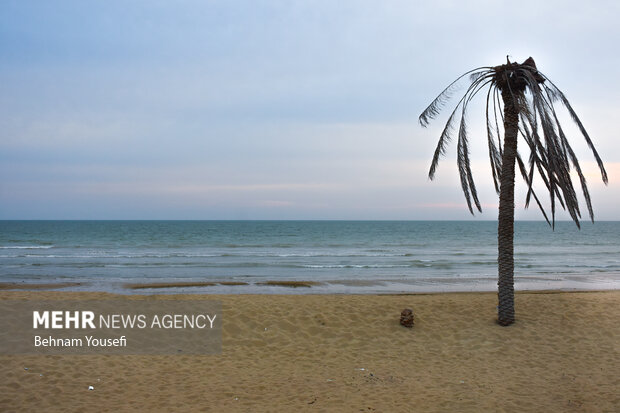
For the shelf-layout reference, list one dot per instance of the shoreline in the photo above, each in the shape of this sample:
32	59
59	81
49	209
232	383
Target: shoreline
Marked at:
286	287
316	287
349	353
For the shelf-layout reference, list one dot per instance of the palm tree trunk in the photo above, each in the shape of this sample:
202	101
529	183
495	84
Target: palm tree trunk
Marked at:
506	218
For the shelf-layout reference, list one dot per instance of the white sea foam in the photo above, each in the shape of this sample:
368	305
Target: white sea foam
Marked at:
26	247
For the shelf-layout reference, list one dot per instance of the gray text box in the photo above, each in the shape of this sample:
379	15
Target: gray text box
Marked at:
119	326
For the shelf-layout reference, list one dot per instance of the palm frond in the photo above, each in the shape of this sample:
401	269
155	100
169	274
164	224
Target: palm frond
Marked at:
573	158
550	155
436	105
557	92
497	104
494	156
446	136
463	163
528	180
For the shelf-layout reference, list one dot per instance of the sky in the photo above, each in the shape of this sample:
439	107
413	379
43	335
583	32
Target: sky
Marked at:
287	109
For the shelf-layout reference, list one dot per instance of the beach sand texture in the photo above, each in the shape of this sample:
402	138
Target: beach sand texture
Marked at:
348	353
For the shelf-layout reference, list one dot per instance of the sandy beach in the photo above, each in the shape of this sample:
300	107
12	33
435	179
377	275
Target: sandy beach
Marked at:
348	353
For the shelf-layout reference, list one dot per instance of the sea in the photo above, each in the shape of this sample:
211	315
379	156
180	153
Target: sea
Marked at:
348	257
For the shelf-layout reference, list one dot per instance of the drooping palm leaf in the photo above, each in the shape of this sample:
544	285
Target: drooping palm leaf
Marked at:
551	156
436	105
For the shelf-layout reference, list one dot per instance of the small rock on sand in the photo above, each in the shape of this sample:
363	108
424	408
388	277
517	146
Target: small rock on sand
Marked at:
406	318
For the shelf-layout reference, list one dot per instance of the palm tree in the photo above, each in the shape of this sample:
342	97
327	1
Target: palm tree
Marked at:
527	100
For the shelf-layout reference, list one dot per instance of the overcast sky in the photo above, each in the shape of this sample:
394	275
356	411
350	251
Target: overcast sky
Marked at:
276	109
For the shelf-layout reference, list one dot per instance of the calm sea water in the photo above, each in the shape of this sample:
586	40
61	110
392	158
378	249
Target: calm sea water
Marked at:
344	256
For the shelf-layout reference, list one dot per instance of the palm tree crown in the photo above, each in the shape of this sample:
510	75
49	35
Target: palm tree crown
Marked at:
532	96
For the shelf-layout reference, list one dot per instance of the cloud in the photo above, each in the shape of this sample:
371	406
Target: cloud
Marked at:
241	109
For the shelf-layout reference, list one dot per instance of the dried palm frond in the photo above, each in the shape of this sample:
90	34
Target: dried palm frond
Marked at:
551	157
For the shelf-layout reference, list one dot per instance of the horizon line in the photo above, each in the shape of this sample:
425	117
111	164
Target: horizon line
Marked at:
292	220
